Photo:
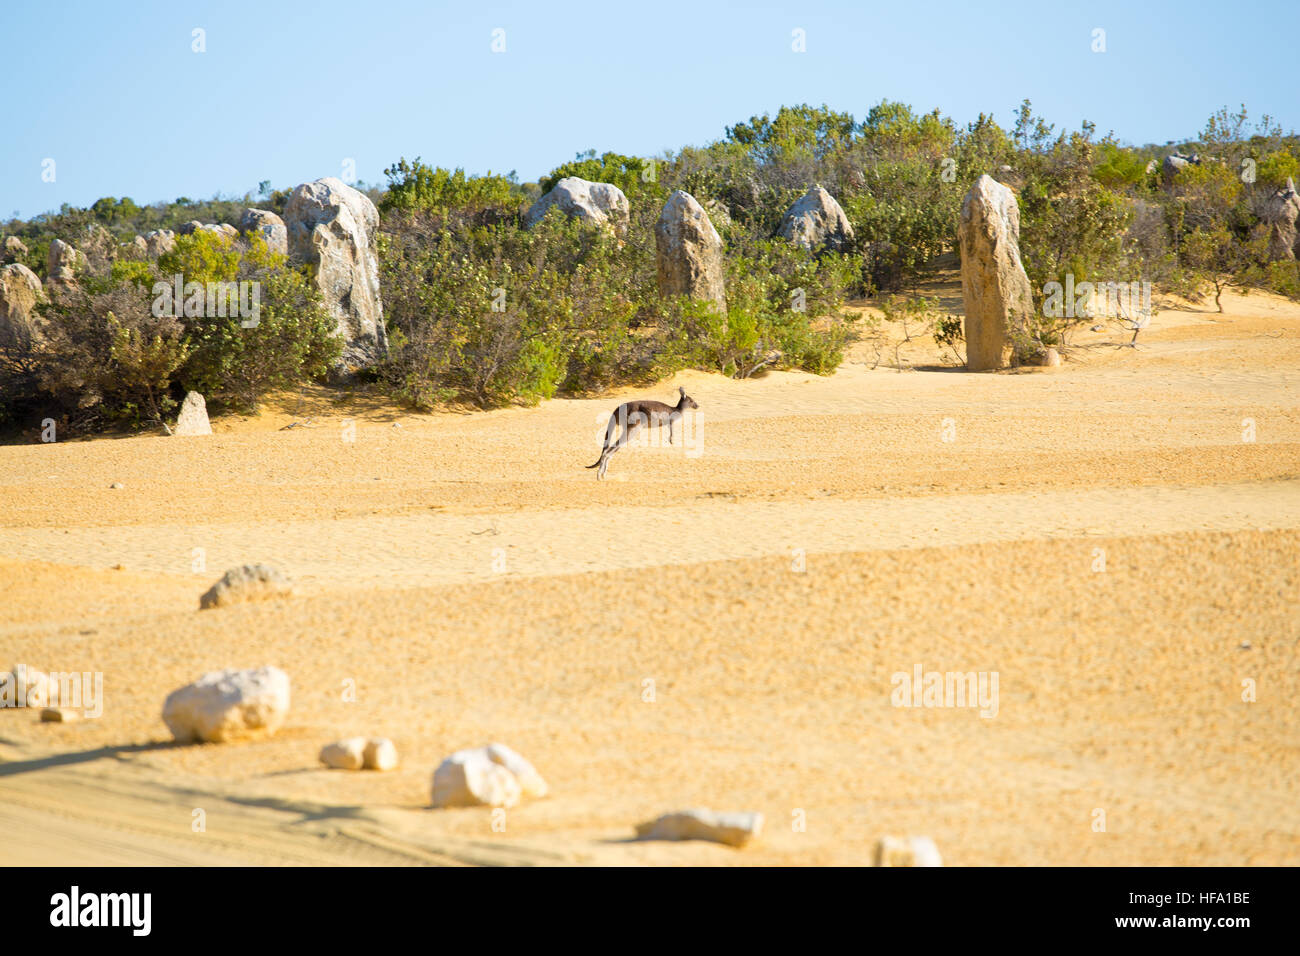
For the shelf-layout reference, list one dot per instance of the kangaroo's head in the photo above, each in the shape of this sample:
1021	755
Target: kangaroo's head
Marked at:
686	401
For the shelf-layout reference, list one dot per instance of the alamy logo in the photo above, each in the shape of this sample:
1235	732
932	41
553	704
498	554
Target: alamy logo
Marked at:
242	300
1086	300
102	909
946	689
71	690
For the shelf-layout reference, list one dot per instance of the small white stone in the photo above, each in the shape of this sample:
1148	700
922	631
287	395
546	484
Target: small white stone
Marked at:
733	829
346	754
531	783
907	851
380	754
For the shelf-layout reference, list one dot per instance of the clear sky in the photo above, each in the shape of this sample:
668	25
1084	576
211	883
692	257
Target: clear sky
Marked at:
113	92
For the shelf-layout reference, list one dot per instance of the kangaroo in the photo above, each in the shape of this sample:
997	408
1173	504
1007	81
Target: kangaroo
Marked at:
633	415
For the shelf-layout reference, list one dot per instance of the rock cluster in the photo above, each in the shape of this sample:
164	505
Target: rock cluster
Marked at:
360	753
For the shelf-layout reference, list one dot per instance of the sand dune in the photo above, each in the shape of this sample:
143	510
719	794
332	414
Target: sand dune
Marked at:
821	536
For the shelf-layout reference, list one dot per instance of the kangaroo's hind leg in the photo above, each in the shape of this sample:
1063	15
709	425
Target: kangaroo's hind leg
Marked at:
612	428
628	431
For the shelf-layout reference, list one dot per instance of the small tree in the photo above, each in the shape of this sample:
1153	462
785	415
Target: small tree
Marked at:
1215	255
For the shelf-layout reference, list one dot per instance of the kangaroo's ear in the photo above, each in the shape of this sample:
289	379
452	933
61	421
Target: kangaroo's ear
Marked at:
681	389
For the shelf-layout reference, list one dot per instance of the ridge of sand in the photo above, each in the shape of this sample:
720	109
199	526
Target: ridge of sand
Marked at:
413	550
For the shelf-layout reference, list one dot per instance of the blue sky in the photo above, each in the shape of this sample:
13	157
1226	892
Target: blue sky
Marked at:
113	92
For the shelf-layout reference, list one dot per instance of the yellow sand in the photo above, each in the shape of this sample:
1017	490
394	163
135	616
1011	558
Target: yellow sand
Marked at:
475	583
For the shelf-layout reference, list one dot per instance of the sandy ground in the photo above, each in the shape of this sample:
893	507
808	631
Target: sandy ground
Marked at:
718	624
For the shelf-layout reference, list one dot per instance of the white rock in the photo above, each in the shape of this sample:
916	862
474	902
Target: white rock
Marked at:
249	582
159	241
58	715
21	326
346	754
733	829
1281	210
62	262
1176	163
531	783
689	252
907	851
379	754
332	226
228	705
14	248
817	221
601	204
999	304
269	226
469	778
193	418
24	687
494	776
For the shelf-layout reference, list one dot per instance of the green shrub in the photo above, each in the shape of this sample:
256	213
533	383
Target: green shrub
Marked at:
109	360
632	174
413	186
133	271
117	354
492	313
234	361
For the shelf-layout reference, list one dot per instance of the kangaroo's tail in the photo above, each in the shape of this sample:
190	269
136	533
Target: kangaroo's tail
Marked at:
610	431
